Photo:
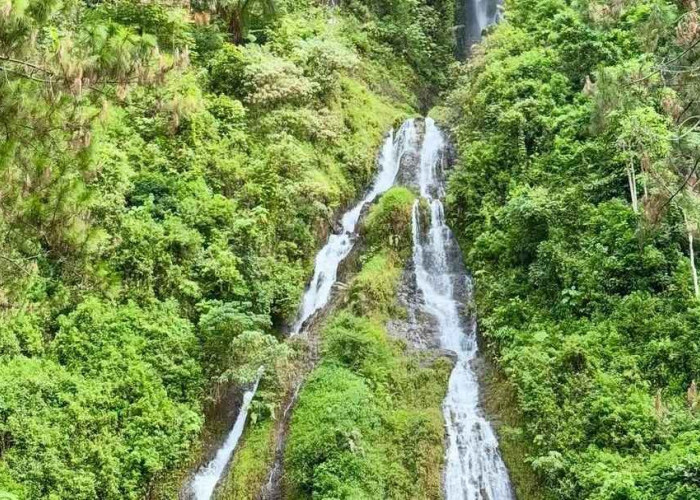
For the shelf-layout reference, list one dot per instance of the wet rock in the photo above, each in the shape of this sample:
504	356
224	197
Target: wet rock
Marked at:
418	329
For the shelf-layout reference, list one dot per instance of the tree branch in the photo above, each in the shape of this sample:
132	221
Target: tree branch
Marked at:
660	68
24	75
685	183
25	63
15	263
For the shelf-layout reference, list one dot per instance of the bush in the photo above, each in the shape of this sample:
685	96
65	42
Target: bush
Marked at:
391	218
85	438
330	434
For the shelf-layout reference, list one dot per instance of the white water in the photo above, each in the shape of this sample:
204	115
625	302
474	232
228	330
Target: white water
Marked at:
486	14
474	469
206	479
475	17
339	245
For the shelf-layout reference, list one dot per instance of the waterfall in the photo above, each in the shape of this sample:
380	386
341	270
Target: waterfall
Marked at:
474	469
339	245
474	16
318	292
206	479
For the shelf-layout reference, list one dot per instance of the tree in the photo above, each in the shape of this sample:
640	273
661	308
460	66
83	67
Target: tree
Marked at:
644	138
59	62
238	15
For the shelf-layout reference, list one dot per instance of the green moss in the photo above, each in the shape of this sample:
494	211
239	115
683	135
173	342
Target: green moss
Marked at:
387	237
372	290
368	422
329	446
388	224
251	463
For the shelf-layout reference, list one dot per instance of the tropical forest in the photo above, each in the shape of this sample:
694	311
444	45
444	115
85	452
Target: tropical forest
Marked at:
349	249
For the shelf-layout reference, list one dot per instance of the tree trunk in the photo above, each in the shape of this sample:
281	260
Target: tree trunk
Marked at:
235	26
632	179
692	257
692	264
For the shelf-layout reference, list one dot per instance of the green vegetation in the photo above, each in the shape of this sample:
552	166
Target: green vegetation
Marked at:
388	224
163	192
500	402
255	453
252	462
368	421
574	200
169	170
372	292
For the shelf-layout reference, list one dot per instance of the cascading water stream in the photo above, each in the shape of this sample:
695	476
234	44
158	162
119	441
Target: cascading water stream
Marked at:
474	468
339	245
317	294
474	16
206	479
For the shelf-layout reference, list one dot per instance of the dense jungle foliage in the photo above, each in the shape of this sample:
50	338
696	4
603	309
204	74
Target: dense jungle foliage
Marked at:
168	171
576	204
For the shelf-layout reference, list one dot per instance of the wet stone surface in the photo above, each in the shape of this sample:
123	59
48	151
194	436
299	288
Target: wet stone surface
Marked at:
418	329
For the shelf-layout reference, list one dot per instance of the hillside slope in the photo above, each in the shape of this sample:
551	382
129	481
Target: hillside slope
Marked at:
576	204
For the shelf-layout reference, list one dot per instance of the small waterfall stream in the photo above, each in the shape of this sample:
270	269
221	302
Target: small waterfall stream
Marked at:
473	17
339	245
317	294
474	469
206	479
